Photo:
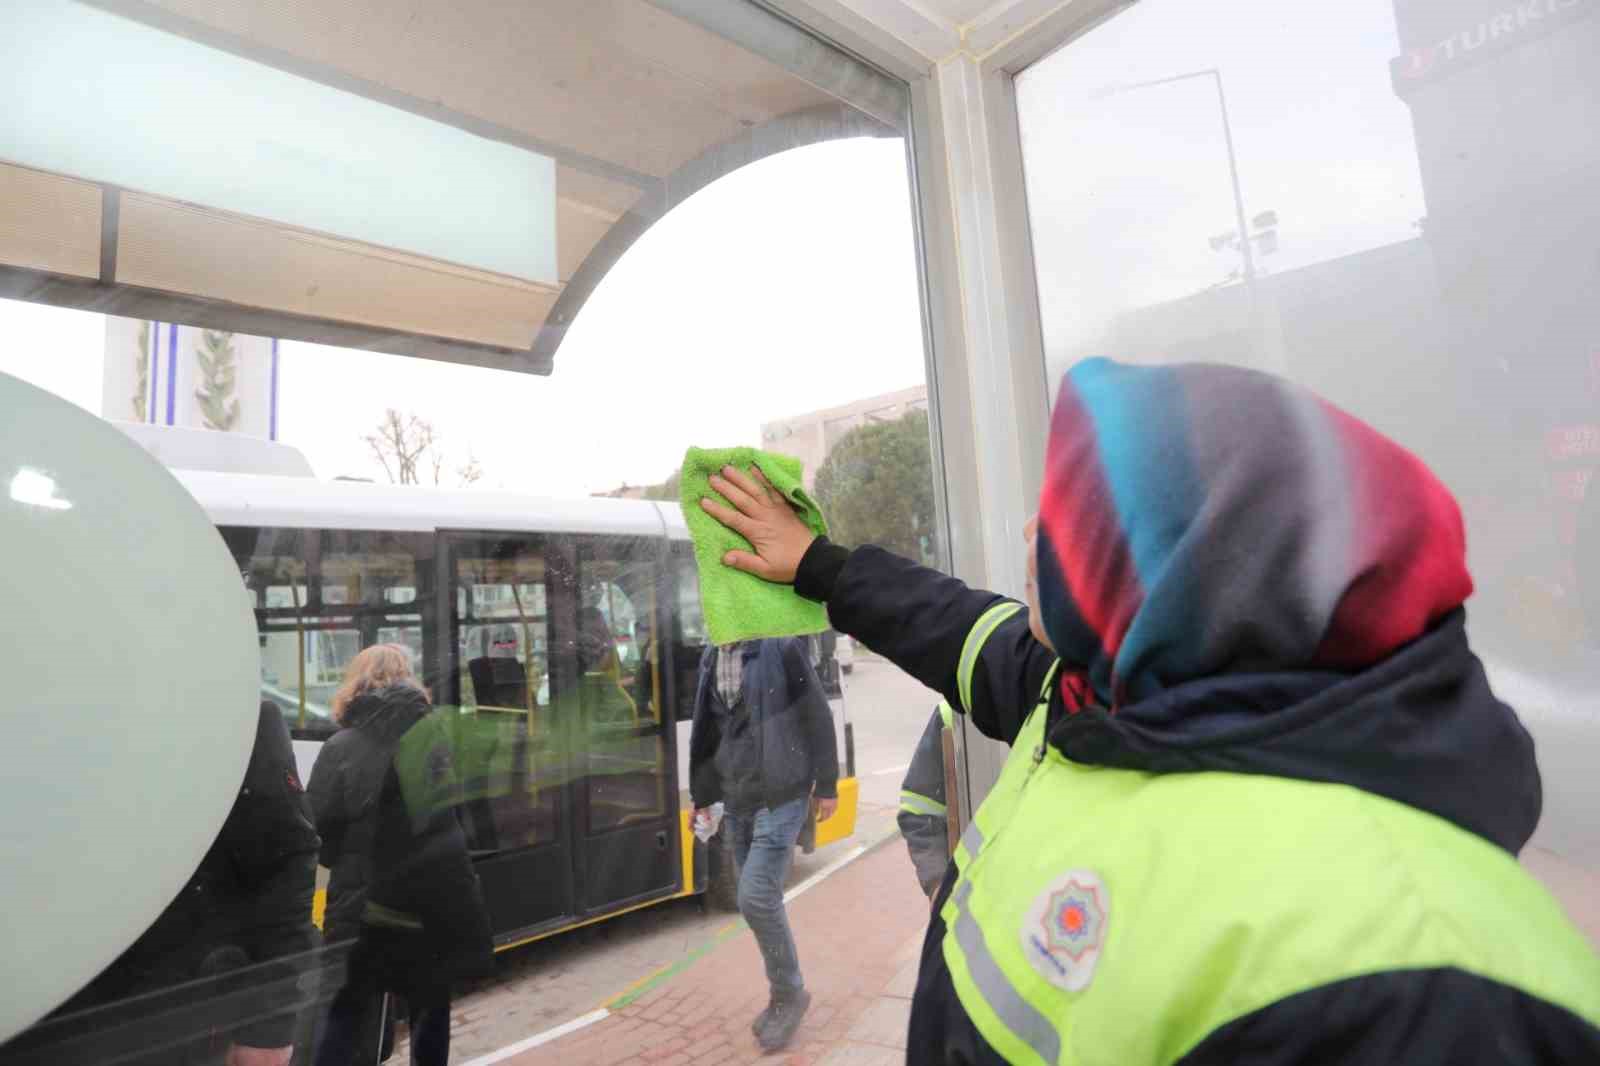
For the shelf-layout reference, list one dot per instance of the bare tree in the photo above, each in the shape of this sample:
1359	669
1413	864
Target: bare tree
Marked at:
407	447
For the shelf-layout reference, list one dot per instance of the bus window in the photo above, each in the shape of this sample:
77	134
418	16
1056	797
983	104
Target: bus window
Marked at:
376	576
273	565
509	744
688	629
320	597
618	684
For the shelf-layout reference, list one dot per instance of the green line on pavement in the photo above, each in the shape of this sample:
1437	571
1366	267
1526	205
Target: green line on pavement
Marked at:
673	969
733	928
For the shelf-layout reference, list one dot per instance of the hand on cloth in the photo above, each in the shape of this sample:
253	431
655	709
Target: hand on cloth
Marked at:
763	516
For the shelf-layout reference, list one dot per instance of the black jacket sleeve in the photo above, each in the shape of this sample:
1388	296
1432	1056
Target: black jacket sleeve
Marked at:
816	717
705	734
272	840
922	800
920	619
325	793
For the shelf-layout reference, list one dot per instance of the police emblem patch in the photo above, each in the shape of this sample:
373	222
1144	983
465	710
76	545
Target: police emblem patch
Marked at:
1065	929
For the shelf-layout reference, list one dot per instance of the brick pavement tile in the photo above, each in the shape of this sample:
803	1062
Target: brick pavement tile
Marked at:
853	1054
665	1047
858	931
703	1047
612	1047
884	1022
702	1028
652	997
904	984
661	1008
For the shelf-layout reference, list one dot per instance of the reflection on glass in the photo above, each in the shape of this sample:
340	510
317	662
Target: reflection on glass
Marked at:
620	686
512	760
560	645
1393	204
32	487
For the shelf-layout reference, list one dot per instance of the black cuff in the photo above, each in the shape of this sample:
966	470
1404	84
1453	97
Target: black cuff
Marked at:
819	570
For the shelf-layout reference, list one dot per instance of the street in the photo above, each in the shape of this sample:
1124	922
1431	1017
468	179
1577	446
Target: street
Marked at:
550	982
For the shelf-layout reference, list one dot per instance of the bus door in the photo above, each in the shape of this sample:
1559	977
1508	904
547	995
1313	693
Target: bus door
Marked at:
512	681
626	818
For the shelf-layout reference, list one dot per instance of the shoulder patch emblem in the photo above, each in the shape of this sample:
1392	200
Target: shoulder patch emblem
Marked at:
1065	929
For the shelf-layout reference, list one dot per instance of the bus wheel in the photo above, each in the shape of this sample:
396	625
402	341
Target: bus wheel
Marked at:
722	882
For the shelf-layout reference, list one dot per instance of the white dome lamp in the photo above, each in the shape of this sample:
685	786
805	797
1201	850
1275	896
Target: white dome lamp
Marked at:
129	656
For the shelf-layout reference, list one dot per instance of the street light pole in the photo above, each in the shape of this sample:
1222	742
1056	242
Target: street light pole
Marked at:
1245	250
1238	194
1227	136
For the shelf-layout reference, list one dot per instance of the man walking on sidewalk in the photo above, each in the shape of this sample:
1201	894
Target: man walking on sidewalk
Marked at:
763	745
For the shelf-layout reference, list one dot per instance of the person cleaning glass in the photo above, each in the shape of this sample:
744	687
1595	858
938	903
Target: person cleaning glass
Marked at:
1262	806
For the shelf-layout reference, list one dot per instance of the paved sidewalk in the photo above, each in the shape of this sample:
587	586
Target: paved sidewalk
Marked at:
859	933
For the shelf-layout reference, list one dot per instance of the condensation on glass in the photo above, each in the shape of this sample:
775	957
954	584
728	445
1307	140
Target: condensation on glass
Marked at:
1391	201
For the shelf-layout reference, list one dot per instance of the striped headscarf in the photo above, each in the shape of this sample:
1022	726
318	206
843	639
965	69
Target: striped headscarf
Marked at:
1202	520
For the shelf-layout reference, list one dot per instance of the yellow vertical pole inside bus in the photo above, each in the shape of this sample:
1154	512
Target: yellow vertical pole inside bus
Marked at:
654	652
527	651
300	647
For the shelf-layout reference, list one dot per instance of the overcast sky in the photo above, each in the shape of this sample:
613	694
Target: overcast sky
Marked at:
786	286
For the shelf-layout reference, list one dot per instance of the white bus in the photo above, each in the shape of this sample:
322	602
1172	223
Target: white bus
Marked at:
563	637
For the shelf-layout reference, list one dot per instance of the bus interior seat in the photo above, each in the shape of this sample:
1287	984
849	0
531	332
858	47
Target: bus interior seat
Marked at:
499	681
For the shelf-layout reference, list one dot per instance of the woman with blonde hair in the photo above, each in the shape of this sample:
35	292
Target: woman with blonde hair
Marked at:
401	884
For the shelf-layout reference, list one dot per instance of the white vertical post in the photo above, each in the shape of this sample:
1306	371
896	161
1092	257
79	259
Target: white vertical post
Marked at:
988	355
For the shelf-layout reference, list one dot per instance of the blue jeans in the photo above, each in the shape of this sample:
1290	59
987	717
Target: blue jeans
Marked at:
763	848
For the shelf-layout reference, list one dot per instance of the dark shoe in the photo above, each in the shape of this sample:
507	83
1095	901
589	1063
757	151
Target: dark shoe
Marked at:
786	1014
761	1019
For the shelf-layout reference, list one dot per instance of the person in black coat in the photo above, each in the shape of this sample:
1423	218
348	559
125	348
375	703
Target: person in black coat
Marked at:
385	793
241	925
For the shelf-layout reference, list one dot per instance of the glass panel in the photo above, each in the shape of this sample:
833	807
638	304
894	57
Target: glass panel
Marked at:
1392	202
510	743
619	683
517	159
733	266
305	584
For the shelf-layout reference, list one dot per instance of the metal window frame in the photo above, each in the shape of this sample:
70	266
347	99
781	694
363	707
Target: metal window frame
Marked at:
988	388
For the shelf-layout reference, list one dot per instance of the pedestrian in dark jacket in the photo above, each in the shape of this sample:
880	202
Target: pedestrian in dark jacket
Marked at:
923	819
762	744
243	919
385	792
1261	806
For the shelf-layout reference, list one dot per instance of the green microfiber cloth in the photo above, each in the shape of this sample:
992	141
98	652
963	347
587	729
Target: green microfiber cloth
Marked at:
740	606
